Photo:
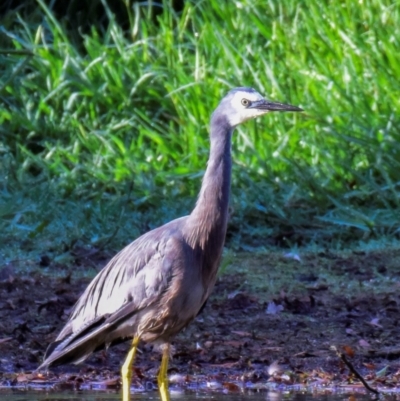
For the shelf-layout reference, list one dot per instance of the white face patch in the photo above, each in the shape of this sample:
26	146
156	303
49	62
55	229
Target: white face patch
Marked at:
240	113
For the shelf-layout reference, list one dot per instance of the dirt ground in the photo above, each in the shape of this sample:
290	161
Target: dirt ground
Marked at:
254	331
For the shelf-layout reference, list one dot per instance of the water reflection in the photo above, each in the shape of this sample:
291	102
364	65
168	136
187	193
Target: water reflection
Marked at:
21	395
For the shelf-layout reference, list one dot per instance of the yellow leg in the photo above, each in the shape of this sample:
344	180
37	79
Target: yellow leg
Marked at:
162	375
126	370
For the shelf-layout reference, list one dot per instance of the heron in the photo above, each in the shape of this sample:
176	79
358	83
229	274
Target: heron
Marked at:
156	285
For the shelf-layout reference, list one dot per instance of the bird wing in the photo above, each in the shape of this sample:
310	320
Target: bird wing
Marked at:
134	279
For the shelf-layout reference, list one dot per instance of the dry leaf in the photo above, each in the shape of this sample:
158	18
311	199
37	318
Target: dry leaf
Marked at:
348	351
292	255
375	322
108	383
364	343
231	387
242	333
273	309
273	368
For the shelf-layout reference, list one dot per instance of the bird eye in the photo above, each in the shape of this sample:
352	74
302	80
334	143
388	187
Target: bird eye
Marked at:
245	102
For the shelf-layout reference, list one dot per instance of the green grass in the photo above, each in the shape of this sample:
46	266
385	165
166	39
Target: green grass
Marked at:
357	272
102	139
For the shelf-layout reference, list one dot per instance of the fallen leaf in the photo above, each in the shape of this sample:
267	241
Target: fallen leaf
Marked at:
305	354
234	344
178	378
292	255
375	322
273	368
109	383
382	372
234	294
231	387
24	377
348	351
364	343
242	333
273	308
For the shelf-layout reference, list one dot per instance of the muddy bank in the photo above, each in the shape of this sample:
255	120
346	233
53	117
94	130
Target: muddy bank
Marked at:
255	329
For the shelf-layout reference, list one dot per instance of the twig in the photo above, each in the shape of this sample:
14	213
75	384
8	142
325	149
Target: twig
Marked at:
354	370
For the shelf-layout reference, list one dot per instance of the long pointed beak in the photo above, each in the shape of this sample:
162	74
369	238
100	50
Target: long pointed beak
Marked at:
273	106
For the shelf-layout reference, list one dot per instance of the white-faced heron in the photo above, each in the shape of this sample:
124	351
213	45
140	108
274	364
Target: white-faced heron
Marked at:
157	284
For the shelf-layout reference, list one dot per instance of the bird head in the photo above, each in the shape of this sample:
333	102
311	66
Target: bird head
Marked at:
242	104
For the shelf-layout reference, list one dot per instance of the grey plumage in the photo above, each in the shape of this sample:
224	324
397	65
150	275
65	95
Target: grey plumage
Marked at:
157	284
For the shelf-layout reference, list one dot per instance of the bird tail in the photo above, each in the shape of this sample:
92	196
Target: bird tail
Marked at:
76	347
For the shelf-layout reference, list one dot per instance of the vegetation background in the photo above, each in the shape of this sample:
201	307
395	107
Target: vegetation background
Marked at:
104	109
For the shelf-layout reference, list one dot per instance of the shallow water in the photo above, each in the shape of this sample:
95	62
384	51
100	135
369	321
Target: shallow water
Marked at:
22	395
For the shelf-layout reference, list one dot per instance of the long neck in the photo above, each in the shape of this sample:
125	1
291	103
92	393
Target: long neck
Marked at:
209	219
